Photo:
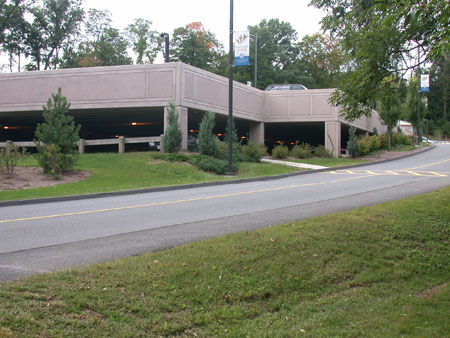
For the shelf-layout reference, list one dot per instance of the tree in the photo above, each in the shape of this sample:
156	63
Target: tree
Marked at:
352	144
144	40
234	135
12	30
439	95
102	44
172	135
276	54
56	137
207	141
389	105
380	37
196	46
320	62
55	24
410	105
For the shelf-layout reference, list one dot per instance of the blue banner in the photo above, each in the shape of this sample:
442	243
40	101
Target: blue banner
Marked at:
242	48
425	83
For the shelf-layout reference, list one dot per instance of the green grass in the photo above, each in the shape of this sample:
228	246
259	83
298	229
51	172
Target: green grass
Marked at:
380	271
115	172
331	162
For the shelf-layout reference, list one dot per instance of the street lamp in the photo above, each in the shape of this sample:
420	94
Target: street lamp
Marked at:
166	49
230	95
255	37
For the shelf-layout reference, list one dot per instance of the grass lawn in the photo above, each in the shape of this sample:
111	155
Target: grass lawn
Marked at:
380	271
330	162
114	172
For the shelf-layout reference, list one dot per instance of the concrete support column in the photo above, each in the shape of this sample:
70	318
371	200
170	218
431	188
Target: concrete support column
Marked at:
121	144
183	122
333	138
81	145
257	132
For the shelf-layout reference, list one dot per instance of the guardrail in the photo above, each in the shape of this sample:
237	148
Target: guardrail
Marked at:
82	144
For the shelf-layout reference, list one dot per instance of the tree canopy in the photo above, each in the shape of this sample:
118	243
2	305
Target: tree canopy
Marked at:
383	38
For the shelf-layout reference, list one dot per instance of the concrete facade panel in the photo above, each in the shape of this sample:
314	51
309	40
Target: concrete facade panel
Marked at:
301	106
320	106
278	106
161	84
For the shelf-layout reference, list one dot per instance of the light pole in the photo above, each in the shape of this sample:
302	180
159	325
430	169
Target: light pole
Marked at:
255	37
230	96
419	128
166	47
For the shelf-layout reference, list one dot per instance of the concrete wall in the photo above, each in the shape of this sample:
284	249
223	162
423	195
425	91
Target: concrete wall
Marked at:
299	106
90	88
205	91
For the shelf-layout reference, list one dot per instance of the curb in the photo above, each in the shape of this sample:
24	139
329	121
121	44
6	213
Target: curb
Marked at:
195	185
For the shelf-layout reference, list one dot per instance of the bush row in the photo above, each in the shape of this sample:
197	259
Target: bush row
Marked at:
303	150
373	143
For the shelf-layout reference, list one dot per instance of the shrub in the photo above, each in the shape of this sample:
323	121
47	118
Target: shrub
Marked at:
207	141
401	139
56	137
172	135
215	165
170	157
353	146
10	156
222	151
303	150
253	152
280	152
321	151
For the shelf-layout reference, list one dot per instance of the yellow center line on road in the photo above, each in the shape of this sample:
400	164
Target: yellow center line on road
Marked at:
426	165
179	201
392	172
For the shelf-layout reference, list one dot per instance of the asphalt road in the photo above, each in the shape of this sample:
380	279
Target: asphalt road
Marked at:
43	237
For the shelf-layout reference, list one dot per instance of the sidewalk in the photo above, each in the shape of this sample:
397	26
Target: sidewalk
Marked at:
294	164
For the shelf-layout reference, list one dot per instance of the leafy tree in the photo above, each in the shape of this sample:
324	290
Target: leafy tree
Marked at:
276	54
320	62
439	95
172	135
10	156
145	41
410	105
196	46
102	44
380	37
207	141
56	137
352	144
55	24
389	105
12	30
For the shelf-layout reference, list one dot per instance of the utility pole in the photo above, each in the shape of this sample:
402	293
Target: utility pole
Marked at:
419	129
230	96
255	37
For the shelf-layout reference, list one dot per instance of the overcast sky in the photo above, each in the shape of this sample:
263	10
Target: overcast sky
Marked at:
167	15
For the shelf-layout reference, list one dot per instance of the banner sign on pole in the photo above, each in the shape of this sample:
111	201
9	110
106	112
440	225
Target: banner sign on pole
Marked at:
425	83
242	48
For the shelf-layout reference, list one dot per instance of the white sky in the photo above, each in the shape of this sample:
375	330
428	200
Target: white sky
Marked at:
167	15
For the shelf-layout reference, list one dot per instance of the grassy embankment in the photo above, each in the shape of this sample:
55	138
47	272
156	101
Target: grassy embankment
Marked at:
380	271
115	172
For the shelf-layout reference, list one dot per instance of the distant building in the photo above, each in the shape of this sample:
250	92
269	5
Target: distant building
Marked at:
405	127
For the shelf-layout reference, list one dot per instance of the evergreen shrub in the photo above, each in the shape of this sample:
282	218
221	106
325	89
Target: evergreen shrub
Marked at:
56	137
207	141
172	135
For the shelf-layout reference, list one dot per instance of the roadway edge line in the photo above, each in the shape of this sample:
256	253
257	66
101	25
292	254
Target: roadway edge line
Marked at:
195	185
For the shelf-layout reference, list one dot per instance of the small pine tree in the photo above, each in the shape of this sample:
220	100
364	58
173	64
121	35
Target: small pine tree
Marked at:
172	136
56	137
234	134
207	141
352	144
